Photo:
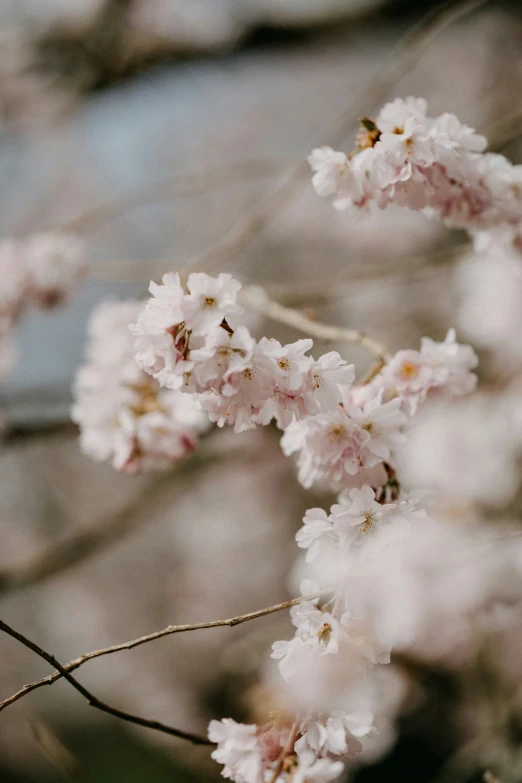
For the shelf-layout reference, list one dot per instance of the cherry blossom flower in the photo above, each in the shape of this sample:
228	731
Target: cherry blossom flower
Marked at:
240	750
442	369
374	525
326	375
452	364
330	448
333	177
319	771
209	300
338	735
394	115
318	532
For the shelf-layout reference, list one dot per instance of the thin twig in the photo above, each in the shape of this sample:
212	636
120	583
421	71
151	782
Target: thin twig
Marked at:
189	183
168	631
298	320
93	701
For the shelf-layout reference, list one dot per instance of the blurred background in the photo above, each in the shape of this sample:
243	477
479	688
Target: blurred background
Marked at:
153	129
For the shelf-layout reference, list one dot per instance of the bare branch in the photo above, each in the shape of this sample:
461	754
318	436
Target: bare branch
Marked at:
93	701
168	631
298	320
189	183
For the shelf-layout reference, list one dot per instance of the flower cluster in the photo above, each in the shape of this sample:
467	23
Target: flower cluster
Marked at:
357	443
40	270
250	754
190	340
124	415
192	355
185	339
331	662
432	164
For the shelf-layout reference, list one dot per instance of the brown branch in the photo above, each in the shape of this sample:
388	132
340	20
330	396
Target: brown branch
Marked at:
168	631
93	701
298	320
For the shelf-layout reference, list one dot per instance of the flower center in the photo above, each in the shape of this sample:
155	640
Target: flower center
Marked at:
368	135
324	634
368	522
337	432
210	301
409	370
283	363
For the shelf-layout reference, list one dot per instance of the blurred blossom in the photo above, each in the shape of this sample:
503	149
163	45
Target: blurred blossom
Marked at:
41	270
467	451
123	414
437	591
489	285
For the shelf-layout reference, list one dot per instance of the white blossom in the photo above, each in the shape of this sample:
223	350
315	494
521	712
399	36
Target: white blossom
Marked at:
438	369
331	449
239	750
339	735
394	115
383	421
209	300
319	771
333	176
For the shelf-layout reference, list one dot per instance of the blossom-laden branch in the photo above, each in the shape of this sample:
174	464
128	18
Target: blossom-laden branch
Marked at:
434	165
62	670
93	701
